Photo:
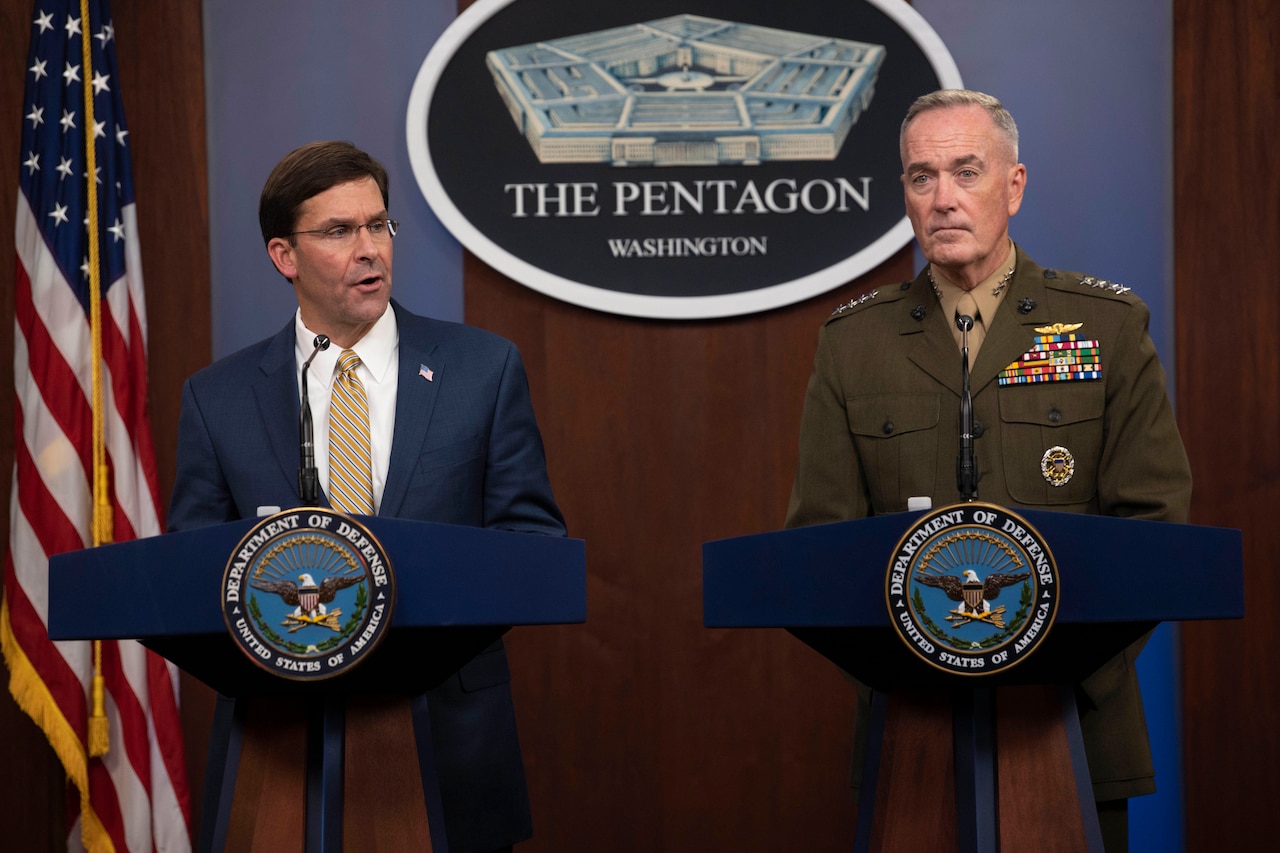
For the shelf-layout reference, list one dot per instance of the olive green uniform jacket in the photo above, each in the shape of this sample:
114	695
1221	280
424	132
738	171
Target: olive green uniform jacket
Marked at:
881	424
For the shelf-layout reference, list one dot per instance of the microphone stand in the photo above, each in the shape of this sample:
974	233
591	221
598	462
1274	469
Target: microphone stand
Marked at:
967	463
308	476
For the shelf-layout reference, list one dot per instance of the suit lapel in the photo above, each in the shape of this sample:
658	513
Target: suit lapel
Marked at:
276	393
934	348
416	397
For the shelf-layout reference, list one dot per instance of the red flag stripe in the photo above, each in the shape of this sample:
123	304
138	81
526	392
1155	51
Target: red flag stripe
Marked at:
71	410
60	679
135	412
50	381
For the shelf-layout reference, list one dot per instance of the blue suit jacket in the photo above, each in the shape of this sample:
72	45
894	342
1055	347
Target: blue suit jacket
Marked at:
465	450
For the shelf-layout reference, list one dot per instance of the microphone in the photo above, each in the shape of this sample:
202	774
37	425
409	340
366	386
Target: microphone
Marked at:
967	473
308	476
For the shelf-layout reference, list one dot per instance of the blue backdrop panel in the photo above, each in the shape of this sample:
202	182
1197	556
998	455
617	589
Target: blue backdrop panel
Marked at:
282	74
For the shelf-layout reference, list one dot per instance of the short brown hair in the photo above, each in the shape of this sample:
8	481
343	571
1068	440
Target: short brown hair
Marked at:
944	98
306	172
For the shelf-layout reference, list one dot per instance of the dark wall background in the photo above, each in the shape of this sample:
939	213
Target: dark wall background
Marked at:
642	730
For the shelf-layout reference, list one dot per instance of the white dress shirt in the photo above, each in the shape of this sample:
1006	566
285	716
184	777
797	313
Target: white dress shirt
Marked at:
379	352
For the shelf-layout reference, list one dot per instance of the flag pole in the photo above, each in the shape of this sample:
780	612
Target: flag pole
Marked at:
99	728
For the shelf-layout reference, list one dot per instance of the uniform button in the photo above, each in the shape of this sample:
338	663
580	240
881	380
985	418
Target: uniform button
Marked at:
1054	416
887	429
978	429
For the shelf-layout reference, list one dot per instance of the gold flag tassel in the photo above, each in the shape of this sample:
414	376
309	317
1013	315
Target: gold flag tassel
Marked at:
99	727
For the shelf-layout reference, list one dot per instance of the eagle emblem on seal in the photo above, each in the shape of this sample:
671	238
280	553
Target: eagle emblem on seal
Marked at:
309	599
975	595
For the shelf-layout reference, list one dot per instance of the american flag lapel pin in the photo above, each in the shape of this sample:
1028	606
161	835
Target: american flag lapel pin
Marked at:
426	373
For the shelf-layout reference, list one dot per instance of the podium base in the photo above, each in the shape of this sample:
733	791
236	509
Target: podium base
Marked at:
347	772
977	771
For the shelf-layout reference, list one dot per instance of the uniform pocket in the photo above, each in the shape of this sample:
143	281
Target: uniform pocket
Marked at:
1058	420
896	438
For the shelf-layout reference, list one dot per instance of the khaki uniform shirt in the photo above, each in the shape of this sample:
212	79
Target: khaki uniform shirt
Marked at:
881	424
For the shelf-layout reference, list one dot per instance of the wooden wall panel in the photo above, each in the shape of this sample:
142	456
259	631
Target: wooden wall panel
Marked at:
643	730
161	64
1227	241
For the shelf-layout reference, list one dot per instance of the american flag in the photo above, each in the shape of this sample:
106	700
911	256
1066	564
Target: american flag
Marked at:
134	797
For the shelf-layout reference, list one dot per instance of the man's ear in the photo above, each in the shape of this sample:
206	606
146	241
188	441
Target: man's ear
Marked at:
1017	184
282	255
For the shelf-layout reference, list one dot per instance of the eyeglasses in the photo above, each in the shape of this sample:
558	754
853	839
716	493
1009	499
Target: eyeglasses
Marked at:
340	236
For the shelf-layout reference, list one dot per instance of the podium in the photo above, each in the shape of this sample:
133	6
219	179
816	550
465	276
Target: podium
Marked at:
458	590
1119	578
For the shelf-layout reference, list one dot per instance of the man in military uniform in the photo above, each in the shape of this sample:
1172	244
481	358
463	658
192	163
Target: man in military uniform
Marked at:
881	413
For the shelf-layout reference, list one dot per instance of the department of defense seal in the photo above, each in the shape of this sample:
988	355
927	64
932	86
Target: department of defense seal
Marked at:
972	588
308	593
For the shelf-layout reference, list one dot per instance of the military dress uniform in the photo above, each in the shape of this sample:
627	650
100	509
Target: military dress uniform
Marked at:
881	424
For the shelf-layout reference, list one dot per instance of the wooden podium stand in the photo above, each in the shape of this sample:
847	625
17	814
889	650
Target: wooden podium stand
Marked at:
301	765
982	763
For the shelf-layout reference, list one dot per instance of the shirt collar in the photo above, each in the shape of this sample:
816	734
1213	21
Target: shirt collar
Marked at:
985	294
376	349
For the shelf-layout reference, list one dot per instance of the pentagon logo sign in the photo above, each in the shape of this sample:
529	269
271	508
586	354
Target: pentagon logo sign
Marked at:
972	589
658	159
308	593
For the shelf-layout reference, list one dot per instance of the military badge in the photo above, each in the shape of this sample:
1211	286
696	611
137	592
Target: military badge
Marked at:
972	589
1056	355
1058	465
308	593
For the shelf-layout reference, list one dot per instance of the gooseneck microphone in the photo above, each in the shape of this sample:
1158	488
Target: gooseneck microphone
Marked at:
967	463
308	476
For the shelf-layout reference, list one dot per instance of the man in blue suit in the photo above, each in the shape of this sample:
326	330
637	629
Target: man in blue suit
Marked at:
451	434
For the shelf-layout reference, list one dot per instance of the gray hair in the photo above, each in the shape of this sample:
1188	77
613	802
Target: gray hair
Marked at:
944	98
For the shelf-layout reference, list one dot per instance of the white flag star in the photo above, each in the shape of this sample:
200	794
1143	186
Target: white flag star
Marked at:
117	229
64	167
99	129
72	74
36	116
38	69
72	27
121	133
68	120
44	22
32	162
59	214
100	82
107	33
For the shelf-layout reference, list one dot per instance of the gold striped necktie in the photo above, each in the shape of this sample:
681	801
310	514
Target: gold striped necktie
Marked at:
350	465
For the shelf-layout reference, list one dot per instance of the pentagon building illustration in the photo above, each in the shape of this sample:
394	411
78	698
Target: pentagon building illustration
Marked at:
686	90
